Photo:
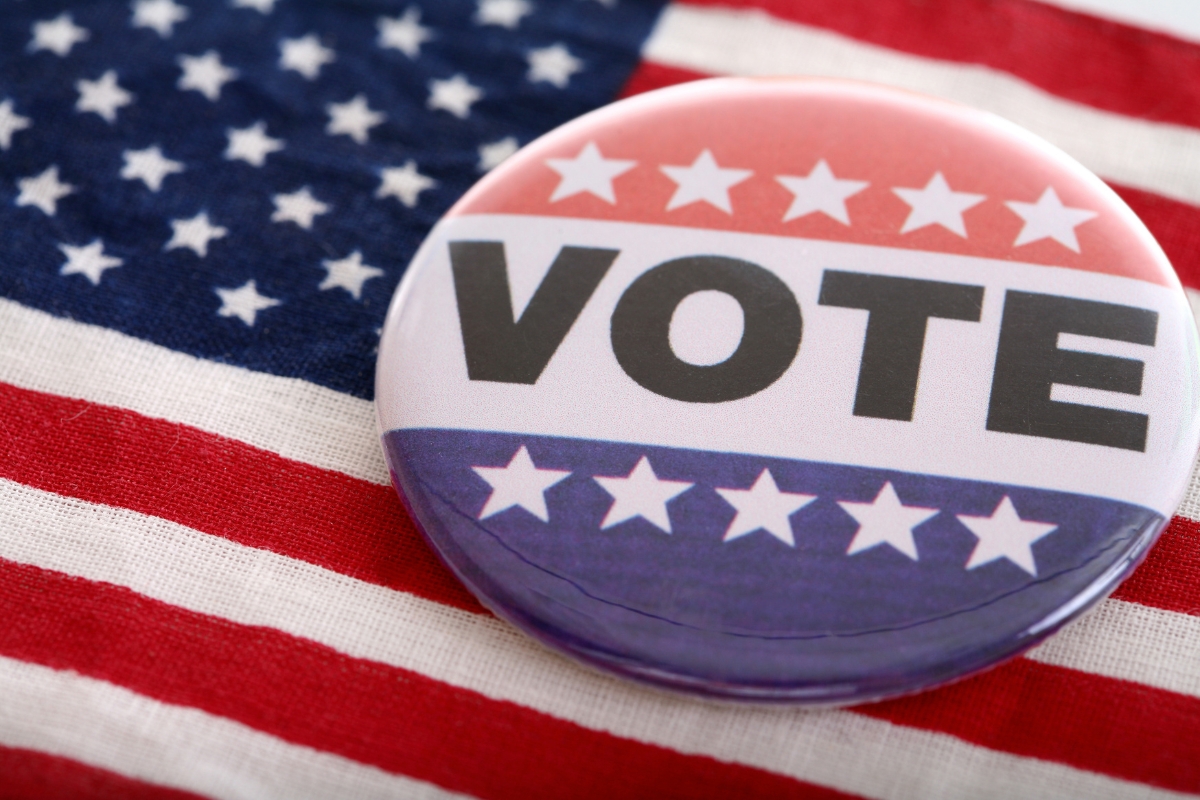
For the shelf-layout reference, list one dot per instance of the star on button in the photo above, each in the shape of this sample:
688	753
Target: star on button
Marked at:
305	55
936	204
244	302
102	96
299	207
588	172
149	166
404	183
161	15
195	234
58	35
261	6
353	118
820	192
455	95
519	483
703	181
10	123
1005	535
349	273
886	521
404	33
1048	218
43	191
206	74
764	507
252	144
640	494
88	261
554	65
505	13
493	154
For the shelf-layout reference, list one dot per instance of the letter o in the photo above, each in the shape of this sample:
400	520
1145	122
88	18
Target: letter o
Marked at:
641	328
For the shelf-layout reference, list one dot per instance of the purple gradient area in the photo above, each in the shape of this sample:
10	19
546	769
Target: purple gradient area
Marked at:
753	617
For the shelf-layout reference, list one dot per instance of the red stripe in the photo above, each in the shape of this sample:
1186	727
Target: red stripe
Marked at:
308	694
1168	578
1100	724
229	489
408	723
1176	225
29	775
222	487
1102	64
648	76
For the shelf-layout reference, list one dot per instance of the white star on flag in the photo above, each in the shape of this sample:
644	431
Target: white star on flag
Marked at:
704	181
88	261
205	74
102	96
299	207
764	507
519	483
43	191
251	145
149	166
244	302
640	494
588	172
305	55
194	234
404	183
493	154
261	6
1005	535
936	204
353	118
404	33
161	15
554	65
505	13
820	192
886	521
10	123
58	35
455	95
1048	218
349	273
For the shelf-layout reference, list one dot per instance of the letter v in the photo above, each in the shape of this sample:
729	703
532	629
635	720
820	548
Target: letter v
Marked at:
498	348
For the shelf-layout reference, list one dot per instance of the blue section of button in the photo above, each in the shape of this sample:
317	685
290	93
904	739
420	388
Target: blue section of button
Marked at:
755	617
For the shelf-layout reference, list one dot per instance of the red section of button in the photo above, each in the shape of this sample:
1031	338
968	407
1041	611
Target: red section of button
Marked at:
827	160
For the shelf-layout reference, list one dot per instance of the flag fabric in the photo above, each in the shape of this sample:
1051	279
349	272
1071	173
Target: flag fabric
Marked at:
208	587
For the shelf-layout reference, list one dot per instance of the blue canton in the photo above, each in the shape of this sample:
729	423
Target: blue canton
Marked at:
246	181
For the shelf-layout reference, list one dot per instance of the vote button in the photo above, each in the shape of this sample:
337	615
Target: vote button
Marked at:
789	390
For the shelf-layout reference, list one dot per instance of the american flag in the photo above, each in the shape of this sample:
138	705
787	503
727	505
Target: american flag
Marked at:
208	586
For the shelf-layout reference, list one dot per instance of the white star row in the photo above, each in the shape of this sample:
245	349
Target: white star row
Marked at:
306	55
61	34
252	145
763	507
819	192
405	33
354	118
244	302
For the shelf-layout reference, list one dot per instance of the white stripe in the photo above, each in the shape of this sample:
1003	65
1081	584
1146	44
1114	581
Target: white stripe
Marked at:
1179	18
854	753
1131	642
105	726
291	417
718	41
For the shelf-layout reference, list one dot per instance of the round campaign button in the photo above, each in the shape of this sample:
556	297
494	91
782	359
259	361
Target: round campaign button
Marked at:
790	390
